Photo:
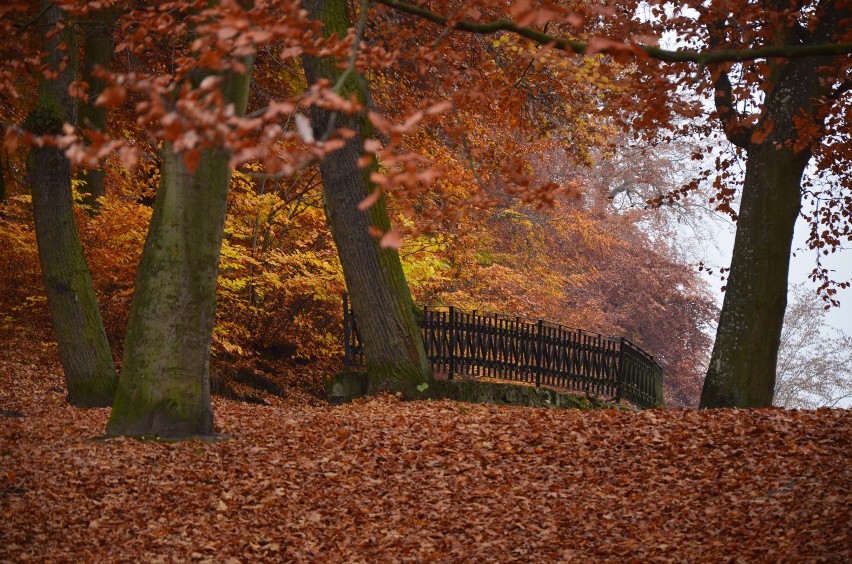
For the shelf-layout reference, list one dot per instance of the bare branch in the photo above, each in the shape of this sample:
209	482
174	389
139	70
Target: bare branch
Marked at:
671	56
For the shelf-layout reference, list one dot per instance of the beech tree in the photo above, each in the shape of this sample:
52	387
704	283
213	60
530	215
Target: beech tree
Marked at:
381	299
778	142
164	388
83	347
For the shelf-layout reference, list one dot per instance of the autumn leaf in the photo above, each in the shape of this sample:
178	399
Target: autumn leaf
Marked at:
210	82
371	199
129	156
379	122
620	51
762	131
439	108
333	145
78	89
392	239
372	146
288	52
112	96
11	138
304	127
191	160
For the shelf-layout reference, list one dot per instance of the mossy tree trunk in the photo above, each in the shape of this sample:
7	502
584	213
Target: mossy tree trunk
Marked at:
381	299
98	44
164	389
743	363
83	346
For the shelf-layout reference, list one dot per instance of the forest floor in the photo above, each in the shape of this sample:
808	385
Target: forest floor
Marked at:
383	480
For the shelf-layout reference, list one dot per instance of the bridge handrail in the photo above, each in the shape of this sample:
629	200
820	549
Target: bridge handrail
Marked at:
471	344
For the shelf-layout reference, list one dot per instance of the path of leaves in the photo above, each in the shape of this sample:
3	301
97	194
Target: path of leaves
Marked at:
384	480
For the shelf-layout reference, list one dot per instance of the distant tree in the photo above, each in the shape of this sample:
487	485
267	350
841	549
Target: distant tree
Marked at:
98	46
814	361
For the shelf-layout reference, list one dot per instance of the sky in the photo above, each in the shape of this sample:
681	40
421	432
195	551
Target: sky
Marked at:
801	266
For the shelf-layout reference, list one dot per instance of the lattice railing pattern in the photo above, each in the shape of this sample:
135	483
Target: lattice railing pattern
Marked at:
473	345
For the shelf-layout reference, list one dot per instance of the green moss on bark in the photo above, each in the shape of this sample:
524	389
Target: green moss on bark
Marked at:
44	120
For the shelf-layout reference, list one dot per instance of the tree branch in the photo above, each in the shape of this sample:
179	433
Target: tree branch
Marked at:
736	131
38	16
671	56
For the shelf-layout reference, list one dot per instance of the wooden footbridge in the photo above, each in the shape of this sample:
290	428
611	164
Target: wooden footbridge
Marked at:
473	345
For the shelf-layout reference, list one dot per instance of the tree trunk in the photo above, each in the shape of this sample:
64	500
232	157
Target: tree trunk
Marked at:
395	356
83	346
98	43
164	389
742	366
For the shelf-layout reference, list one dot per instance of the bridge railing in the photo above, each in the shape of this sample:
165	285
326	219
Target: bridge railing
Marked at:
473	345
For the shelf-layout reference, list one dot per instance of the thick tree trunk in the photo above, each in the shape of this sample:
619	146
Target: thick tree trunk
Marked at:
742	366
395	356
83	346
98	43
164	389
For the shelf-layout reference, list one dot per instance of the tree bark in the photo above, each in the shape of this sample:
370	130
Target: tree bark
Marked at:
395	357
164	389
745	353
83	347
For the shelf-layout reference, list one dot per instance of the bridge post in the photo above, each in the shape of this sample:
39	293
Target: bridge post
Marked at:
539	353
452	330
620	374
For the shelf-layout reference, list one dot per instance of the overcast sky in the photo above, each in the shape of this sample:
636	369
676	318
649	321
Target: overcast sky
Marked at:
801	266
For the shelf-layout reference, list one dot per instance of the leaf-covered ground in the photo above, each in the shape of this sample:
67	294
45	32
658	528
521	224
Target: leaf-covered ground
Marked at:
385	480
